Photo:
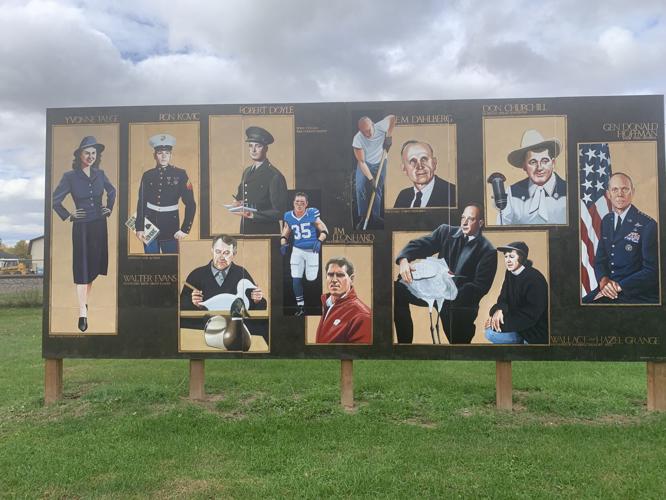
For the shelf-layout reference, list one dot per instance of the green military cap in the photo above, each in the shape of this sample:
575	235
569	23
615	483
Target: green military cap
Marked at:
260	135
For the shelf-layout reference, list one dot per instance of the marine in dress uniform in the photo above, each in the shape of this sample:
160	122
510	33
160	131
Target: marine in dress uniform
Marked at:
159	192
628	255
262	187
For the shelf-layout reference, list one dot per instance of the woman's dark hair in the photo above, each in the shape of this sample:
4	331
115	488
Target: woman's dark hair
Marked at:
524	260
76	162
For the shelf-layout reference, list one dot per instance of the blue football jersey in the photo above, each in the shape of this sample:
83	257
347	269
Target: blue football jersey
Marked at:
303	229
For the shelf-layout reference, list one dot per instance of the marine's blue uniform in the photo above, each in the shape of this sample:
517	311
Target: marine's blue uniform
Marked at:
303	229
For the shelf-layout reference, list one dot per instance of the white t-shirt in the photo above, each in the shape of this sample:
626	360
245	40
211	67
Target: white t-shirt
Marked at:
372	146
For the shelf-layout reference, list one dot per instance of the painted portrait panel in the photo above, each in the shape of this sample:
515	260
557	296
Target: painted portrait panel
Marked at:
525	167
423	159
212	269
619	217
237	143
84	230
348	322
163	185
462	316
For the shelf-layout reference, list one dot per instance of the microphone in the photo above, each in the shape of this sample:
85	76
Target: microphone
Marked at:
496	180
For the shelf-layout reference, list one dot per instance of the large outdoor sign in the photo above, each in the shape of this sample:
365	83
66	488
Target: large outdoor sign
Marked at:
486	229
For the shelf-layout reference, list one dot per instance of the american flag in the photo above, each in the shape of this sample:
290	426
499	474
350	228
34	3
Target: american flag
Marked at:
594	170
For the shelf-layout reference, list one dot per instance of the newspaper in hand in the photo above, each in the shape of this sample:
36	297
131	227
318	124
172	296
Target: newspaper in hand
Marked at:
239	208
150	230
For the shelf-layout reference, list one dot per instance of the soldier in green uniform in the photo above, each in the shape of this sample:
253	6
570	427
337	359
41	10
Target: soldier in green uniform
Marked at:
263	188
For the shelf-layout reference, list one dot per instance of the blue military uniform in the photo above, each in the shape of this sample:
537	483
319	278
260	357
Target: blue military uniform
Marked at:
86	192
89	233
160	190
628	256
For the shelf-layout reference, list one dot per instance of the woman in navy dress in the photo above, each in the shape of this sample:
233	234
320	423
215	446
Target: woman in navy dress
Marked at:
86	183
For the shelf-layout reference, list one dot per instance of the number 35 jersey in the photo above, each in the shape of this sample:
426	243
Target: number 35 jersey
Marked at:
303	229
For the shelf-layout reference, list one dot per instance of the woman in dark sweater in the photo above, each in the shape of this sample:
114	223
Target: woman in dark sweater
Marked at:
521	313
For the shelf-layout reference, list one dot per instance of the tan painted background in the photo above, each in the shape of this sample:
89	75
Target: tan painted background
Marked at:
185	155
442	138
229	157
253	255
501	135
64	308
361	257
537	241
639	161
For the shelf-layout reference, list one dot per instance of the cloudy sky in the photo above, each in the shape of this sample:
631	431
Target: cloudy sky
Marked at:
102	53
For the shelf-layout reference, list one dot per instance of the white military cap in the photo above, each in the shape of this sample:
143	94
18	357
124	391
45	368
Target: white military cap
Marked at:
162	141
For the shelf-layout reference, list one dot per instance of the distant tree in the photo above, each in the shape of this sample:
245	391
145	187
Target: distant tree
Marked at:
20	249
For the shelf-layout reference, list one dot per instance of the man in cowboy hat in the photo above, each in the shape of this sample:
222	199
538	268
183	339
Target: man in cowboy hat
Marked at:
520	315
541	198
263	188
159	192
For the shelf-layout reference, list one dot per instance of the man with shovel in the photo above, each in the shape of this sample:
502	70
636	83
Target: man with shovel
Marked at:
371	145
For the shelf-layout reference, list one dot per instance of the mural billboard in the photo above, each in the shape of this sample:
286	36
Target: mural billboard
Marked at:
482	229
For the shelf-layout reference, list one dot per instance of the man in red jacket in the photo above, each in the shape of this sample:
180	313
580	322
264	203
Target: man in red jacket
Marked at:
345	319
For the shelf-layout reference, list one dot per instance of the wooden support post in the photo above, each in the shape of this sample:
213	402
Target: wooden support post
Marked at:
503	389
347	384
52	380
656	386
197	379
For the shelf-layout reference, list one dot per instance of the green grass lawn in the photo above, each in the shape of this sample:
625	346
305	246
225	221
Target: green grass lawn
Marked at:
276	429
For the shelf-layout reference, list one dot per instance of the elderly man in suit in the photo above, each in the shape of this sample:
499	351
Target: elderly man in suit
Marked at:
472	260
626	264
428	190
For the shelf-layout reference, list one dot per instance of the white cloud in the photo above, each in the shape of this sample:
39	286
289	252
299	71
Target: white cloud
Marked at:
71	53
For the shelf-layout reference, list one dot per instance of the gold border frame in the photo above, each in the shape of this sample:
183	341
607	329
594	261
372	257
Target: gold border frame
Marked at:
580	267
129	183
269	306
51	212
372	296
488	344
455	170
485	173
242	138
